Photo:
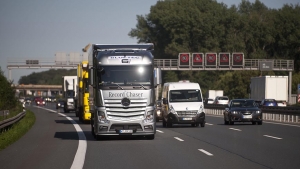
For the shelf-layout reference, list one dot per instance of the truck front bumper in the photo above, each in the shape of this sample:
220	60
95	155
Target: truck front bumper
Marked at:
125	128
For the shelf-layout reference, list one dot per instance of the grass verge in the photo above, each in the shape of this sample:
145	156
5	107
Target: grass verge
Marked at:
17	130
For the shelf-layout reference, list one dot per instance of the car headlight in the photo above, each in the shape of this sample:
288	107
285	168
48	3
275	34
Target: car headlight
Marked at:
58	104
149	117
200	110
235	112
258	111
158	112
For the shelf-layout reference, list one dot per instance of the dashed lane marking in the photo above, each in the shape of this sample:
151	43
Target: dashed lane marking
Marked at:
235	129
205	152
278	138
179	139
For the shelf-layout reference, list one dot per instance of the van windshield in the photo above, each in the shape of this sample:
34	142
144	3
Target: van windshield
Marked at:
185	96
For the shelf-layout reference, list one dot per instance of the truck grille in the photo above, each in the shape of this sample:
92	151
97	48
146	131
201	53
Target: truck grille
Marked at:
187	113
116	111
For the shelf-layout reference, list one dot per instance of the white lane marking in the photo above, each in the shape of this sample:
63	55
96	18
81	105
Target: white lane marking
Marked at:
79	158
159	131
179	139
209	124
235	129
278	138
205	152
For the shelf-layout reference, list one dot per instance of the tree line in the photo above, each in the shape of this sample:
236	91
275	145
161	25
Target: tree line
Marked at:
176	26
48	77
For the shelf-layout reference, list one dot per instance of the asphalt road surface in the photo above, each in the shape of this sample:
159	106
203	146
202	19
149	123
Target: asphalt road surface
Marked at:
58	140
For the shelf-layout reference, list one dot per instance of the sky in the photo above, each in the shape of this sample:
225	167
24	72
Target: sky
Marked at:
37	30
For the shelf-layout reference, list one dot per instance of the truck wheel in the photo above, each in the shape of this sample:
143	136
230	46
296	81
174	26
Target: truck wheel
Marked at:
202	124
164	122
150	137
169	124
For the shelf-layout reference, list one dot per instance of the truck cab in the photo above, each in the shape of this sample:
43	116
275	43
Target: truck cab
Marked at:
122	97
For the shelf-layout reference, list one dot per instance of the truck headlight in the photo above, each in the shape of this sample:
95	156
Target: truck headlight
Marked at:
149	117
101	117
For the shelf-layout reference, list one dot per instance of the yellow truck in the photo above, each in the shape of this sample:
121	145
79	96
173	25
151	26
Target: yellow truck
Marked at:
82	102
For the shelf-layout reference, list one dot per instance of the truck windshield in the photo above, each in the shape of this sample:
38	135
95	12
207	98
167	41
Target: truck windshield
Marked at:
185	96
125	75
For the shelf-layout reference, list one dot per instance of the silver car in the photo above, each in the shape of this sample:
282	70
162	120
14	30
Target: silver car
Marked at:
221	100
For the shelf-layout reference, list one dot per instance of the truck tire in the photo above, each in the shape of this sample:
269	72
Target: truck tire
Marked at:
202	124
169	124
164	123
150	137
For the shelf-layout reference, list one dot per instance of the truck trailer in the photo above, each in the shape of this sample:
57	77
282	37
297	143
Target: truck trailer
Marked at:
82	103
212	94
69	92
269	87
123	90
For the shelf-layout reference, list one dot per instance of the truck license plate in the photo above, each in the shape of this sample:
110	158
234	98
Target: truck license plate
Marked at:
126	131
247	116
187	118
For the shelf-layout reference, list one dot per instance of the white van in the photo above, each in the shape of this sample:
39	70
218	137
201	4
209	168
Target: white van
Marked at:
182	104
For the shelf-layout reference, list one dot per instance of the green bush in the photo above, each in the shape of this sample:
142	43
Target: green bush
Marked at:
7	93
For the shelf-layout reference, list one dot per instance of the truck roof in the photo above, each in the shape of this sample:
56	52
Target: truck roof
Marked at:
146	46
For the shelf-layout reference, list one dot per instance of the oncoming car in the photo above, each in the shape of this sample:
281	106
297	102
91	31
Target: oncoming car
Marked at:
242	110
60	104
40	102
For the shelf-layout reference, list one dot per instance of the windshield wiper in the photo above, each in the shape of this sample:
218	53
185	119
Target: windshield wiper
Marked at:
143	86
118	85
140	85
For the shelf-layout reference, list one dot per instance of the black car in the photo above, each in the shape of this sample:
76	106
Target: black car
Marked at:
60	104
242	110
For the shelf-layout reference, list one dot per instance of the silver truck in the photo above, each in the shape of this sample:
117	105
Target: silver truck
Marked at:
123	90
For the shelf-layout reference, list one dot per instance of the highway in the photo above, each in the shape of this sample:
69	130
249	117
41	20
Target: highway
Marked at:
59	140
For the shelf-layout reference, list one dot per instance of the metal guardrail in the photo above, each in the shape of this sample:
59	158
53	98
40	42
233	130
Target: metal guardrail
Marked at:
8	122
289	114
